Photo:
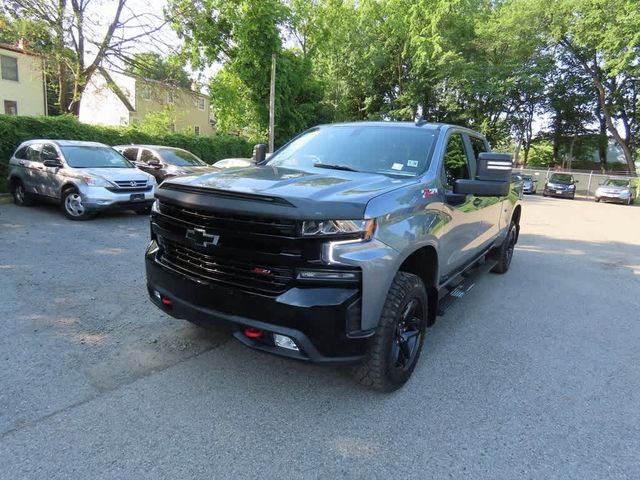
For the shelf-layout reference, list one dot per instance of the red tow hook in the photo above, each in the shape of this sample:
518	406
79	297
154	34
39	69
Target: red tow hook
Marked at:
253	332
166	301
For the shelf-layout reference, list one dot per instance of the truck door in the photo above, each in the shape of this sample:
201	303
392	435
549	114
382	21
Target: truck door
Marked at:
491	207
461	241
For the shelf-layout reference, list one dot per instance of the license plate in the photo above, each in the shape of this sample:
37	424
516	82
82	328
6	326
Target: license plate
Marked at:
558	192
137	197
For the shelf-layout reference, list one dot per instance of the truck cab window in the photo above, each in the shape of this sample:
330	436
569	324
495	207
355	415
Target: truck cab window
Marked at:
478	146
456	163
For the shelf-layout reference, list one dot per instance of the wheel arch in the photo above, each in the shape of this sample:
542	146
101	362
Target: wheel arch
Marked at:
423	262
515	217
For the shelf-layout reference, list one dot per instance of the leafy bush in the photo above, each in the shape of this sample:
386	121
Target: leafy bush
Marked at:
14	130
540	154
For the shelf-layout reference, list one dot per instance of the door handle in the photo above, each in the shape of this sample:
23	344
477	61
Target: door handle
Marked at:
477	202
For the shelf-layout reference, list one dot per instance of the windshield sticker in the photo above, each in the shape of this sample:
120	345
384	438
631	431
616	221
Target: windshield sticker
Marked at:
397	166
412	163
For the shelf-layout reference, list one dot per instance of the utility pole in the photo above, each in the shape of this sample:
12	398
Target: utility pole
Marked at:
272	103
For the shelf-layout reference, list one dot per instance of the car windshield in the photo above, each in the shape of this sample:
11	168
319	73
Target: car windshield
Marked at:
515	177
394	150
561	178
527	178
180	158
616	183
94	157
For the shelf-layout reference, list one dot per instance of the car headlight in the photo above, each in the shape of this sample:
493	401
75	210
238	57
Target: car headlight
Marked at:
155	206
94	181
360	228
572	187
152	180
625	193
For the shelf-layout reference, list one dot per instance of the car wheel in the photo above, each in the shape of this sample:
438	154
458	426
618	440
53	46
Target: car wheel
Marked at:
72	205
396	346
573	197
20	195
544	194
504	253
630	201
597	199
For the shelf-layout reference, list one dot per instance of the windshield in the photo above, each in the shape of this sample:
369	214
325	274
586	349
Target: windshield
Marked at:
380	149
180	158
561	178
527	178
94	157
616	183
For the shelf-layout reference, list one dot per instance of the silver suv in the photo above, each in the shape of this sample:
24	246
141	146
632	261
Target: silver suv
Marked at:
83	177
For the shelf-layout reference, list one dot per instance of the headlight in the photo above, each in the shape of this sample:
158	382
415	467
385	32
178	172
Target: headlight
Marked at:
572	187
152	180
155	206
362	228
625	193
96	181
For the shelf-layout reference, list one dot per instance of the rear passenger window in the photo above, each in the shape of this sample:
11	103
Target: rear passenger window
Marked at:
147	155
478	146
456	163
33	152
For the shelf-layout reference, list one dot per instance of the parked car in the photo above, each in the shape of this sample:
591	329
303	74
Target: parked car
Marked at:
530	184
164	162
342	247
560	185
615	190
84	177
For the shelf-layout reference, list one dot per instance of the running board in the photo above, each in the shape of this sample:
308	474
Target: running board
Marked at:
461	285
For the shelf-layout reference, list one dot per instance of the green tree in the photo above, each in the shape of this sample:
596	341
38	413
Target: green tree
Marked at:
153	66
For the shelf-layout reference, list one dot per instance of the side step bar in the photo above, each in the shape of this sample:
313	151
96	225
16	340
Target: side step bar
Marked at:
459	286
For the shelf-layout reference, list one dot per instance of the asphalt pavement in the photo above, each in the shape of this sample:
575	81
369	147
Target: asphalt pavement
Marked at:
533	374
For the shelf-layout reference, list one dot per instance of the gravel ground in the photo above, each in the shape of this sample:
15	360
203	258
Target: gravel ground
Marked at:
534	374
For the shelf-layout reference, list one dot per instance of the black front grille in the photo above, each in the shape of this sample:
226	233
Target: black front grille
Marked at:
130	189
211	268
236	223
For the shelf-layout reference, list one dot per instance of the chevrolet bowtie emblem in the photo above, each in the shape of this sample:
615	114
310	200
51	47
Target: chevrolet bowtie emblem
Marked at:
201	238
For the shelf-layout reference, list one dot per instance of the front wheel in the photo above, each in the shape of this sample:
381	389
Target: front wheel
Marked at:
395	348
597	199
73	206
504	253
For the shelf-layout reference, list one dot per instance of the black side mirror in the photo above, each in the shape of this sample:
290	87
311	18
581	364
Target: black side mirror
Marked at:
493	178
52	162
259	153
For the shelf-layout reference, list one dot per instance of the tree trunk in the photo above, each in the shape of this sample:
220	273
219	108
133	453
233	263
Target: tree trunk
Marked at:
626	150
603	140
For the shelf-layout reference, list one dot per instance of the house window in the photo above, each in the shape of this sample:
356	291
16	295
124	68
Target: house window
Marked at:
146	93
9	68
171	97
201	103
196	130
10	107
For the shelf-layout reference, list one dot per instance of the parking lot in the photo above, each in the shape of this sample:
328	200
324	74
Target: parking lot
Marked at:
533	374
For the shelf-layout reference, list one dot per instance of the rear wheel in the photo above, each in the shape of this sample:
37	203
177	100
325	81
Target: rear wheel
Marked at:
73	206
396	346
504	253
20	195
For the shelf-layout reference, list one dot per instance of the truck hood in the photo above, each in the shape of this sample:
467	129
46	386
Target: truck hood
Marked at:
324	194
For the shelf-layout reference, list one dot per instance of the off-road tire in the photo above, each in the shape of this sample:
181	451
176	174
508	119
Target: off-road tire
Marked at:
504	253
20	195
379	370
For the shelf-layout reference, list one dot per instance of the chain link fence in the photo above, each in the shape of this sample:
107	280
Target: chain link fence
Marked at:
587	184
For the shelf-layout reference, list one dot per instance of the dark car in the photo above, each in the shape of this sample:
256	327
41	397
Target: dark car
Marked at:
560	185
530	184
165	162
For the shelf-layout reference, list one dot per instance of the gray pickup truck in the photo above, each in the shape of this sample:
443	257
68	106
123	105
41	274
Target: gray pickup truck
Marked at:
342	247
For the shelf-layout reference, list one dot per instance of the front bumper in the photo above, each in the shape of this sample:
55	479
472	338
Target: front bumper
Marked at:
612	197
100	198
314	317
554	192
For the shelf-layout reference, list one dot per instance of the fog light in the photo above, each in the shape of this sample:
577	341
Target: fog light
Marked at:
156	294
326	275
285	342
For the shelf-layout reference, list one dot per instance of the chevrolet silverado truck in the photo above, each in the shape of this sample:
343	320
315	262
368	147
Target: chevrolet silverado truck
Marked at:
342	247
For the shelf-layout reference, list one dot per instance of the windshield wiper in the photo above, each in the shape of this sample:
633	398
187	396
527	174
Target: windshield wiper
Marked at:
335	167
